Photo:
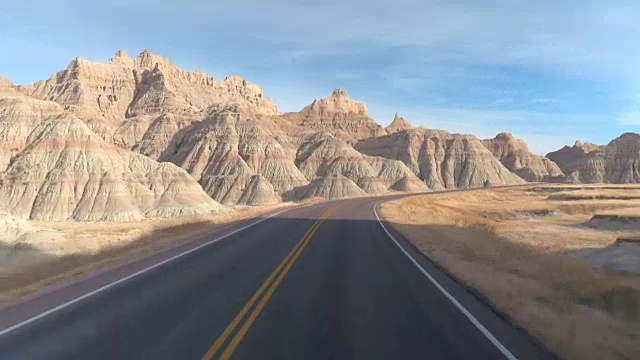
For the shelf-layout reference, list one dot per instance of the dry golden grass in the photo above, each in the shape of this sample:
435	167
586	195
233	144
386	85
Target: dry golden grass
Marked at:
511	244
83	248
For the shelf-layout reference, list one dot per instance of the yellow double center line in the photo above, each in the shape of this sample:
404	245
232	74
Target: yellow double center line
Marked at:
278	274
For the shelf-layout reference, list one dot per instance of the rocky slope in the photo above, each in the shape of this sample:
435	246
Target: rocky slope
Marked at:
442	160
514	155
582	162
53	167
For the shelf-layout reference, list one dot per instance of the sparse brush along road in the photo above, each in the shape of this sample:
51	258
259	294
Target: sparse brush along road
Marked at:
325	281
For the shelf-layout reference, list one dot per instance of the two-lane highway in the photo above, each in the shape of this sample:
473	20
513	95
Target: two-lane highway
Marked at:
326	281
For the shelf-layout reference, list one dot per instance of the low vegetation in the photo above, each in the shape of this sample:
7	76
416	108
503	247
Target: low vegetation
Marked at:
542	256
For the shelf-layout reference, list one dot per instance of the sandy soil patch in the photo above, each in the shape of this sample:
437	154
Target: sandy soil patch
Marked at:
539	260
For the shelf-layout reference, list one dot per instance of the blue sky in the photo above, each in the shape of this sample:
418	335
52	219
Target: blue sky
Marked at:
550	72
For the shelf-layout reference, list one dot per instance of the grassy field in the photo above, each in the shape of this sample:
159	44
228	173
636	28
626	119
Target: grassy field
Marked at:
61	251
533	252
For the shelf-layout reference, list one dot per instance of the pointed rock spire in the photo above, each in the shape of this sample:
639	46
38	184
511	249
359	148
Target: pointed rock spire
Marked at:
146	59
398	124
339	93
122	58
121	54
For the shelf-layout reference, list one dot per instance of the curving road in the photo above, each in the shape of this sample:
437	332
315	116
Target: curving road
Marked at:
327	281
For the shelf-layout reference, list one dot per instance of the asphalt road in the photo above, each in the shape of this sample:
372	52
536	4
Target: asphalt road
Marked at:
326	281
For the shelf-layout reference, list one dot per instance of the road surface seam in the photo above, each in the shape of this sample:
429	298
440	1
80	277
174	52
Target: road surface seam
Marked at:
453	300
135	274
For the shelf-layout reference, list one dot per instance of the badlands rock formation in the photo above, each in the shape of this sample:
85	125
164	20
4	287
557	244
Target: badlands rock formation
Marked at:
100	141
53	167
622	160
325	154
259	192
442	160
398	124
514	155
583	163
329	187
617	163
410	184
104	94
339	114
373	186
226	149
6	85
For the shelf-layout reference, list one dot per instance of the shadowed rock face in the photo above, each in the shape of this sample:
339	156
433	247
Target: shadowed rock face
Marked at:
53	167
442	160
583	163
514	155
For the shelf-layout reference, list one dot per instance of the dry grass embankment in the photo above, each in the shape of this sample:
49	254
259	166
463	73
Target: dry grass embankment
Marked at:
66	250
526	253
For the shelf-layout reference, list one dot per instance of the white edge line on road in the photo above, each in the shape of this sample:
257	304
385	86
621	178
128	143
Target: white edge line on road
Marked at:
455	302
137	273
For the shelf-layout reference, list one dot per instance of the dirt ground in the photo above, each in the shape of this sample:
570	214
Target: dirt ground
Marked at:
51	252
562	262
